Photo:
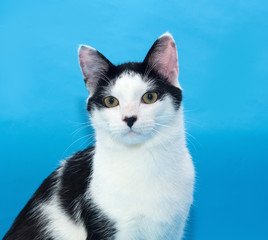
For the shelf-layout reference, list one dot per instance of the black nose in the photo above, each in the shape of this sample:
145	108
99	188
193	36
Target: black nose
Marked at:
130	120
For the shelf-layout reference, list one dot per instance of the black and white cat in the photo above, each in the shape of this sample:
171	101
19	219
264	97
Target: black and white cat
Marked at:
136	183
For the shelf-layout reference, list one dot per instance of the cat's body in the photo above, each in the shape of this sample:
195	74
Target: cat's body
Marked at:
136	183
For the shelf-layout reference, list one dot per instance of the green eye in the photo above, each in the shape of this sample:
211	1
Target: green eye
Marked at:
149	97
110	102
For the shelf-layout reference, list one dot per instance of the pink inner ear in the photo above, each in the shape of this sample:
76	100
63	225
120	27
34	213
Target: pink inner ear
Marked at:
170	62
92	66
165	58
86	61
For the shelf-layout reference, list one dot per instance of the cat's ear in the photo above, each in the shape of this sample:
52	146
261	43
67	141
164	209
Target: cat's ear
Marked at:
93	65
163	58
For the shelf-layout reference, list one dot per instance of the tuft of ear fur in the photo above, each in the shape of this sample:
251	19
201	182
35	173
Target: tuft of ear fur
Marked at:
163	58
93	65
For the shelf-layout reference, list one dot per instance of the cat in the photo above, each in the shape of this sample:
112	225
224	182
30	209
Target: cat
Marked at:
136	182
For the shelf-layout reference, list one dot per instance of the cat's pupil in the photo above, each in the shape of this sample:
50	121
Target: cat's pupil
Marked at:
111	101
150	96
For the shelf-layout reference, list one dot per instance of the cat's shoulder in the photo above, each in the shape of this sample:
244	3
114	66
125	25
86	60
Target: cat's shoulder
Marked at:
74	178
78	160
76	170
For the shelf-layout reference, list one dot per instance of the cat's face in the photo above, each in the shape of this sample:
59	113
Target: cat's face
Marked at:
133	102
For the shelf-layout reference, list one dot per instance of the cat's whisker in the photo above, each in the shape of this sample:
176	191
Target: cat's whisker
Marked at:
163	136
80	129
88	135
94	125
79	123
193	123
188	134
90	140
163	125
192	137
161	143
166	126
189	142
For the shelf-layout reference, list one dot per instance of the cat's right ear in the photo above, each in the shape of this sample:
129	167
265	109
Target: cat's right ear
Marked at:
163	58
93	65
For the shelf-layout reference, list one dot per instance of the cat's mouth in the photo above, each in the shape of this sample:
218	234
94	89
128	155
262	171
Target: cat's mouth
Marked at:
132	137
132	132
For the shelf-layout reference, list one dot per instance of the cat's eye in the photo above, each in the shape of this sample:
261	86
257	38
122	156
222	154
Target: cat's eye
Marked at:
110	102
149	97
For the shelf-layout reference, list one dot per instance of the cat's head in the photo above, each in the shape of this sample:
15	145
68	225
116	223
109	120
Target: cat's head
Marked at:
135	101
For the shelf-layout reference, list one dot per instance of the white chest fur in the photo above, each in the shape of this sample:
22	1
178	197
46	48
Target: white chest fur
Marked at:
147	190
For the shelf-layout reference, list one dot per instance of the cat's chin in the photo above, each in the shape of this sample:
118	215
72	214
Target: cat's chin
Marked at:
132	138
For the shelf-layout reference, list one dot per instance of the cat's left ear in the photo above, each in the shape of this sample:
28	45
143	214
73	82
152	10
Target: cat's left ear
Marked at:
163	58
93	65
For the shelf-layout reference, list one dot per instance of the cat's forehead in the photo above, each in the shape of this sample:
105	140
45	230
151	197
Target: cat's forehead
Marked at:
129	85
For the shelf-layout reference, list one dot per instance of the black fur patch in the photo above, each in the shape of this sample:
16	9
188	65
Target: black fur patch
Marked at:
161	84
70	187
75	181
25	225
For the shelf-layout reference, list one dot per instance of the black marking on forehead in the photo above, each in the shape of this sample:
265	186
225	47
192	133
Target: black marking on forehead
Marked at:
158	82
163	88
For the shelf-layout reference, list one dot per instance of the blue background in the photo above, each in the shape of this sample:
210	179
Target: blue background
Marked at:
223	53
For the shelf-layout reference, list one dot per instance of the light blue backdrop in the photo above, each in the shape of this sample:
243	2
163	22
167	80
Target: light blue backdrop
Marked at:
223	53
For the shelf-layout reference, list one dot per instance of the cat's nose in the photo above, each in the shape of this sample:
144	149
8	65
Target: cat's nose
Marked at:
130	120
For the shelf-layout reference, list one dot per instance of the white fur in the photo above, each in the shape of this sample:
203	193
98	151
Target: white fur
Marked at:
143	180
60	226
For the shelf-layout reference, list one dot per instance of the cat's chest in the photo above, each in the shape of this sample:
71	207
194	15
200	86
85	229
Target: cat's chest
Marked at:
137	185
